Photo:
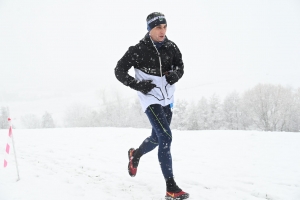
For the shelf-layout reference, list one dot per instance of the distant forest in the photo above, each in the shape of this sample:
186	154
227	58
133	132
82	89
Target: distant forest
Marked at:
264	107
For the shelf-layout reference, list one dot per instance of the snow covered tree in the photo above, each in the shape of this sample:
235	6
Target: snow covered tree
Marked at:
215	113
232	112
256	101
179	118
193	117
122	109
78	115
4	118
282	120
203	114
136	116
31	121
269	106
294	118
115	109
246	119
296	122
115	112
47	121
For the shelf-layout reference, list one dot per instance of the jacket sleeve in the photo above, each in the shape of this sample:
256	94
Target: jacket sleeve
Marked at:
178	65
123	66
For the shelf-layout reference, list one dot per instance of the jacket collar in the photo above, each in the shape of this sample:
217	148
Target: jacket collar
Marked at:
146	40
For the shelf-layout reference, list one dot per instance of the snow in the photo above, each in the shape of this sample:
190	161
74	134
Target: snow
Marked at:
91	163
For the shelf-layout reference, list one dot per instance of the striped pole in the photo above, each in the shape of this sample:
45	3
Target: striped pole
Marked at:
7	148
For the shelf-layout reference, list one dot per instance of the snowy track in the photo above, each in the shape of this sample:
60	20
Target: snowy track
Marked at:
91	163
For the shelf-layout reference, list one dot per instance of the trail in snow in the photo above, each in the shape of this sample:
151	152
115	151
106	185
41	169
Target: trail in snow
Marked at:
91	163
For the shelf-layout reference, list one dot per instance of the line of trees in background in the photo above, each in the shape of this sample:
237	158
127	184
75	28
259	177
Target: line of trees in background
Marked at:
265	107
29	121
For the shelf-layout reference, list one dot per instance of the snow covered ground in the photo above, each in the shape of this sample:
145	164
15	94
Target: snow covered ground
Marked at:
91	164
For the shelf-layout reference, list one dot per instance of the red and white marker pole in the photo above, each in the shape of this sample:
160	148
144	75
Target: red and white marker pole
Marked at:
7	148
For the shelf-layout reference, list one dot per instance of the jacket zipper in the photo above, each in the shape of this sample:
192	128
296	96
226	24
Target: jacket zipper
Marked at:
160	66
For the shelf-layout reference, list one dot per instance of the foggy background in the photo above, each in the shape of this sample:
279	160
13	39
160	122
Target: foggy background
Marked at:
54	54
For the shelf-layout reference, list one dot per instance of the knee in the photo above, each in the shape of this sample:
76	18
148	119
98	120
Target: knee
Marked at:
153	140
166	142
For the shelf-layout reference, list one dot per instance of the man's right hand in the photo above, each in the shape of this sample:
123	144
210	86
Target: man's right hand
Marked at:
143	86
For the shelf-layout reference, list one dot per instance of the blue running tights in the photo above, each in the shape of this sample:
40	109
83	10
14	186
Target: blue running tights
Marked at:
161	136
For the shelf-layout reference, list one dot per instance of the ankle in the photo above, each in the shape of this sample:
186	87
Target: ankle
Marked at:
172	186
137	153
136	157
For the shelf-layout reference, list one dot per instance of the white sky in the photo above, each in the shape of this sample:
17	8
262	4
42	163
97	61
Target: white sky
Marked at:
68	49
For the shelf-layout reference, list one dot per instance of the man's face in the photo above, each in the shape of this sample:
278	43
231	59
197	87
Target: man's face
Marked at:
158	33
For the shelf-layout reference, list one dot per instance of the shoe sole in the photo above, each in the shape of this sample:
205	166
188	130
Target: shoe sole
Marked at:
132	175
181	197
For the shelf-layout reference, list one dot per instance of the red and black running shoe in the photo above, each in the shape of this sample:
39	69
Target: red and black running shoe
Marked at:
177	195
132	165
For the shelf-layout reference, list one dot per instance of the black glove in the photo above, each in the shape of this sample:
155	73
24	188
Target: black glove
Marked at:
142	86
172	77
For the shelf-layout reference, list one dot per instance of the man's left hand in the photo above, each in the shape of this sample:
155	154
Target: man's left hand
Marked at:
172	77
